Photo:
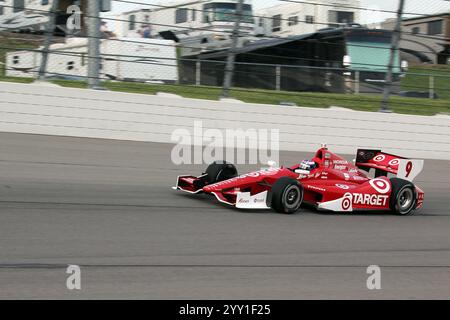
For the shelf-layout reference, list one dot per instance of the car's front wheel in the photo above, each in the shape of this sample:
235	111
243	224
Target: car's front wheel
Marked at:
220	171
286	195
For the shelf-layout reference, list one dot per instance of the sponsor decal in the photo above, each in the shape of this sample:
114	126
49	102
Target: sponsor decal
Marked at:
379	158
359	178
380	185
394	162
266	172
340	162
347	202
346	176
368	199
247	201
315	188
343	186
339	167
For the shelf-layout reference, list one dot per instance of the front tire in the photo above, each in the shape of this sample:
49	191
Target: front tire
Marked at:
220	171
403	197
286	195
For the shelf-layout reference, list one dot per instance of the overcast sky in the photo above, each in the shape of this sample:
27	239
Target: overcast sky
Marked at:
413	6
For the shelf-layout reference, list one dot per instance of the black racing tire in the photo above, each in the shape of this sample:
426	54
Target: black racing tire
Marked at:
220	171
286	195
403	197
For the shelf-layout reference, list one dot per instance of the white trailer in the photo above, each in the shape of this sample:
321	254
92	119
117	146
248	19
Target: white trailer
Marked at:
128	59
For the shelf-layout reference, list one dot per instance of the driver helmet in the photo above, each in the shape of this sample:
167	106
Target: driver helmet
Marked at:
307	165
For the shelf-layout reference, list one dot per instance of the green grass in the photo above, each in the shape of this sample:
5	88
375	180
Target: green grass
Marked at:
71	84
415	82
16	79
317	100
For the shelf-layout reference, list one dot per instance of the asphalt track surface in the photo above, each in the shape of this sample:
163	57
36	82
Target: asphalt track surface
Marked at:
108	207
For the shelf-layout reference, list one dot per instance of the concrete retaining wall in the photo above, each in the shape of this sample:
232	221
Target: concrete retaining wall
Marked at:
46	109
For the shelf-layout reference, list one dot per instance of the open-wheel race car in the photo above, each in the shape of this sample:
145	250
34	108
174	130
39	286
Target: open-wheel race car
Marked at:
328	182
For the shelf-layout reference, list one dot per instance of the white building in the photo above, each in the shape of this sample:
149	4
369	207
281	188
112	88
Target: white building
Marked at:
291	18
185	17
122	59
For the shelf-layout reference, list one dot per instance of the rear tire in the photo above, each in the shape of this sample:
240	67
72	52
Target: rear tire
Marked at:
403	197
220	171
286	195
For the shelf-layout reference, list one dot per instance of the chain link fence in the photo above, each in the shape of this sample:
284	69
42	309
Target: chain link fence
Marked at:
346	60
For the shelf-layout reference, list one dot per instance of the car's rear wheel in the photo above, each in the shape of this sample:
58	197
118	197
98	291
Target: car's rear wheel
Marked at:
220	171
403	197
286	195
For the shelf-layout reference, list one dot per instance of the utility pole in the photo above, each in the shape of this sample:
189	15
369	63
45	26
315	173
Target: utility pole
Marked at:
396	36
50	29
94	44
229	68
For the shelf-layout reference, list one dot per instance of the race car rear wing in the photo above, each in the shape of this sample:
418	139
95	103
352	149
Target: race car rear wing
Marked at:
385	163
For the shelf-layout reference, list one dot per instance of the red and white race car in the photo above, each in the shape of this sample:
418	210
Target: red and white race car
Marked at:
328	182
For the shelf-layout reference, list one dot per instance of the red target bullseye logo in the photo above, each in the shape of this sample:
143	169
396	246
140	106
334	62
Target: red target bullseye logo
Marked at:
379	158
394	162
346	203
380	185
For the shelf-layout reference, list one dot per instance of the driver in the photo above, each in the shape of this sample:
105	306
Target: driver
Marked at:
307	165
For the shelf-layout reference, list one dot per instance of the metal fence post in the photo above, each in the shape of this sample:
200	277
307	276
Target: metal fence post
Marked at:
431	87
50	28
94	44
396	37
278	78
229	68
357	84
198	73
